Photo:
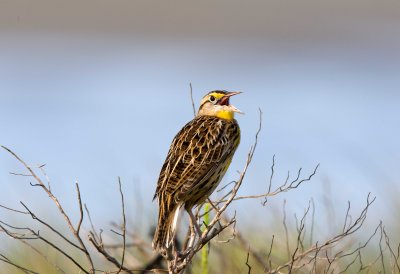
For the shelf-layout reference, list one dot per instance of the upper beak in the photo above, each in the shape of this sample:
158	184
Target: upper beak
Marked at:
224	101
231	93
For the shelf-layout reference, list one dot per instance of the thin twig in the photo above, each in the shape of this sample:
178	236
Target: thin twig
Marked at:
247	262
8	261
80	209
20	174
191	98
45	257
14	210
272	173
269	255
392	253
41	167
242	240
123	225
50	227
91	223
285	228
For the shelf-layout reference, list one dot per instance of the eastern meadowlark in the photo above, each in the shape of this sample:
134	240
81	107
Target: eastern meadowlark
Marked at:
198	158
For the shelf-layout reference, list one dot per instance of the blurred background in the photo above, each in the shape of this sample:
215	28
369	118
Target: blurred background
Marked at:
98	89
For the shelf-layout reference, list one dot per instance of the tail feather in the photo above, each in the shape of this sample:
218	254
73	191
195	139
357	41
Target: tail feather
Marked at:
165	232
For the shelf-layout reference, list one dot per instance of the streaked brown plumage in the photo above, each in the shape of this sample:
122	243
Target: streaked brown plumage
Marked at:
197	160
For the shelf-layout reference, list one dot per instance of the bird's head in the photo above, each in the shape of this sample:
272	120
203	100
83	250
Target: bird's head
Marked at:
216	103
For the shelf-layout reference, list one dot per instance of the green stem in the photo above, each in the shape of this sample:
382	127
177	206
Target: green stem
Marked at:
204	250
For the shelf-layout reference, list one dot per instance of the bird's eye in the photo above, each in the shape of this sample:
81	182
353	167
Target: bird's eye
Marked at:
212	99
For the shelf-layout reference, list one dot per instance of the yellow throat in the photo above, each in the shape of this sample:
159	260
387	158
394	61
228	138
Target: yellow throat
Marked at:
216	103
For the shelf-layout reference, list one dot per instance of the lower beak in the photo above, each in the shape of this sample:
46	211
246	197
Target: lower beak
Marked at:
225	101
234	109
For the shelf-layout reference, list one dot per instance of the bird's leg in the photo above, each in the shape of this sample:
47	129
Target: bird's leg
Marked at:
174	251
189	248
194	221
192	234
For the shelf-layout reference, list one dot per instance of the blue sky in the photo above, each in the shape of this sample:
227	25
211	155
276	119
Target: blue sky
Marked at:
97	106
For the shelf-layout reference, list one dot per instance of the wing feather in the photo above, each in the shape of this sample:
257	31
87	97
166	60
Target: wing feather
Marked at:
194	155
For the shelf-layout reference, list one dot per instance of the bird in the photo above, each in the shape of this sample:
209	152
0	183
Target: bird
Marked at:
198	158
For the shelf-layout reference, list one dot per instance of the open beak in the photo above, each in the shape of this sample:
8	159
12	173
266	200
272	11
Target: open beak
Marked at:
224	101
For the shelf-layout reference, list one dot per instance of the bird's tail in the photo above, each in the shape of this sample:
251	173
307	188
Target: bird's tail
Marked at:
167	220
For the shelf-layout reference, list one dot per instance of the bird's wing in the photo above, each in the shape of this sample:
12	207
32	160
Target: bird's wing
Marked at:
194	155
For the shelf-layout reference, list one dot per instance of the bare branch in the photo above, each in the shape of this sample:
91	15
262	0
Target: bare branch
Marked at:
36	235
60	208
